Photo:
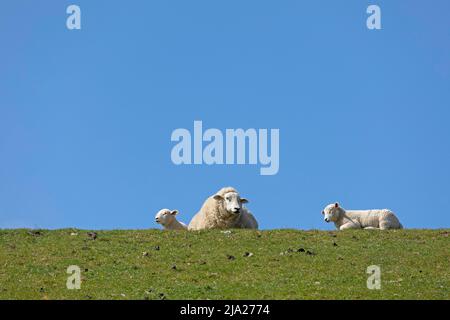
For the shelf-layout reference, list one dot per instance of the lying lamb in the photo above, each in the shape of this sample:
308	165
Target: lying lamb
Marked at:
167	218
224	210
357	219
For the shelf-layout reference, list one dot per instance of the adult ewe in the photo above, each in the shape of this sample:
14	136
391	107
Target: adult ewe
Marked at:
167	218
224	210
360	219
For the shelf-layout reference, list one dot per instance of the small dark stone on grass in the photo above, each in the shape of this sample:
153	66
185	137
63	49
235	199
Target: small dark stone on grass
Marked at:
248	254
301	250
310	253
92	235
157	248
174	267
335	244
230	257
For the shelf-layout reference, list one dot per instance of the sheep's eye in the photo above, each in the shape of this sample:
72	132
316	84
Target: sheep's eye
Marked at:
323	212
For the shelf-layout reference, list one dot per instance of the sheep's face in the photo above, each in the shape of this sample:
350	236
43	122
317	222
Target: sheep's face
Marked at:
165	216
232	202
331	212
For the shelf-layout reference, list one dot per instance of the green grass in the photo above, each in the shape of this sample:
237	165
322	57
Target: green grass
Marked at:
197	265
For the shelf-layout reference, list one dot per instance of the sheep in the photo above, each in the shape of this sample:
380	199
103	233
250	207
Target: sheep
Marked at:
360	219
167	218
224	210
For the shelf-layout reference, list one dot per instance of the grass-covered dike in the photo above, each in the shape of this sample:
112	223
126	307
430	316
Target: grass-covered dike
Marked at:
241	264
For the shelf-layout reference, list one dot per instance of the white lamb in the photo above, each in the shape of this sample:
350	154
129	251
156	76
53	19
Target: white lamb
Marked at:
224	210
167	218
360	219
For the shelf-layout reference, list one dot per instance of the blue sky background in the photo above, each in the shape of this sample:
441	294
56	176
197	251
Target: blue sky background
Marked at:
86	116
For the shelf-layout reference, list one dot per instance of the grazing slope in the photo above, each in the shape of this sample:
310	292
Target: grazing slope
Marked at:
243	264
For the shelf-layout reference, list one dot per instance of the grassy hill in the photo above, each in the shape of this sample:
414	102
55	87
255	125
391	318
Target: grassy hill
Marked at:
243	264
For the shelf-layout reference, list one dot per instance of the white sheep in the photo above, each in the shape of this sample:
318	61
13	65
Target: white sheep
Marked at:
360	219
224	210
167	218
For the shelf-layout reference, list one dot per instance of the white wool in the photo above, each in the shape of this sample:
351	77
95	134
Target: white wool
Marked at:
224	210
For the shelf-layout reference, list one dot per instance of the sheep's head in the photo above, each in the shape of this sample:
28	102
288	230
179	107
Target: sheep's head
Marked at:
332	212
232	202
165	216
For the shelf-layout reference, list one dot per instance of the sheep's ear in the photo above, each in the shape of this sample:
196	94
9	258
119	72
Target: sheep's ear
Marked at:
218	197
336	205
243	200
174	212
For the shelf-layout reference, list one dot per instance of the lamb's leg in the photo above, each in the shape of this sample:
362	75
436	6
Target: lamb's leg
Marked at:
390	222
350	225
385	225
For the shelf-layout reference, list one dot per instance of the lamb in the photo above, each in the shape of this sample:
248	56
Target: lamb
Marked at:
360	219
224	210
167	218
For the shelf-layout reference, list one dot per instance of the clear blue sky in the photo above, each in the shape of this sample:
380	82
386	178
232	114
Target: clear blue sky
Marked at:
86	115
